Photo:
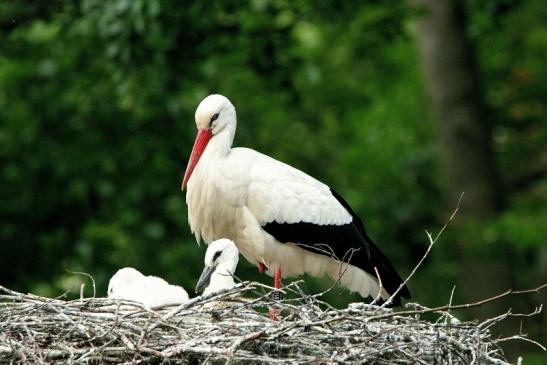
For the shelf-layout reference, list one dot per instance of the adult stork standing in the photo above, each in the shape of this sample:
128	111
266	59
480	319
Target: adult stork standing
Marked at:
281	219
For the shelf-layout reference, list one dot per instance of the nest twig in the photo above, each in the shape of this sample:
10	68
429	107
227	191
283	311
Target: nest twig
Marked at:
231	327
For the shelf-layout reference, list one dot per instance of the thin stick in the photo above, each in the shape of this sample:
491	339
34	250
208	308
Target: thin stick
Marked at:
462	306
89	276
431	243
379	295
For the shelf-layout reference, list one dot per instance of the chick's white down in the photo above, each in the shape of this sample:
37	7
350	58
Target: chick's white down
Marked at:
151	291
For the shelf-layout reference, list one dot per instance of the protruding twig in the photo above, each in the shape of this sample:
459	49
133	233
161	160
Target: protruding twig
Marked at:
432	242
89	276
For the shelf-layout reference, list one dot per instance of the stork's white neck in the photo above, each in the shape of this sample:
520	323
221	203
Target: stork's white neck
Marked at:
221	143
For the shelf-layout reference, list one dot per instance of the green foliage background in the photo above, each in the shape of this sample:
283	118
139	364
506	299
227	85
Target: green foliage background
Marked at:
96	123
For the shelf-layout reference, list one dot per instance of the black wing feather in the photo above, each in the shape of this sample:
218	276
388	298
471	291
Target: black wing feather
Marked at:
348	242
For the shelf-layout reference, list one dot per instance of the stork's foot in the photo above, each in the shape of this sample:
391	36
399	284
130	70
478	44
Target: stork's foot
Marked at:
277	295
275	310
273	313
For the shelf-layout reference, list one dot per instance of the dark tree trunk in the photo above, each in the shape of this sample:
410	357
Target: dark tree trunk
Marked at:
464	133
460	115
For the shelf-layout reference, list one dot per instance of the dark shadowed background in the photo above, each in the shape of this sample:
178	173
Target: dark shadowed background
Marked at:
400	106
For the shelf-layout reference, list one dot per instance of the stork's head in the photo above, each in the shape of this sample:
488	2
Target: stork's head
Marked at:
122	278
220	260
214	114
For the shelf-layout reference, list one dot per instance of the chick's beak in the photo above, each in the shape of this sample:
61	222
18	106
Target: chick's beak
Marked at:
205	278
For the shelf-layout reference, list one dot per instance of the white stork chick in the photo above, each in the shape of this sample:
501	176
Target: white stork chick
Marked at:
280	218
122	279
151	291
220	261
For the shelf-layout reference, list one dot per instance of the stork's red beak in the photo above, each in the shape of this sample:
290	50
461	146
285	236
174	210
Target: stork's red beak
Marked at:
203	137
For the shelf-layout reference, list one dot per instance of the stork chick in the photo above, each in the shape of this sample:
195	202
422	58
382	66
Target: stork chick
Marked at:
220	261
151	291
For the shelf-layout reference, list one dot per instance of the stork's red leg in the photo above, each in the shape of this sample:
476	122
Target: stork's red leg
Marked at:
261	268
277	279
274	310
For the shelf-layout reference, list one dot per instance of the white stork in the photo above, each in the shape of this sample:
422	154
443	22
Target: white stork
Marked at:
281	219
152	291
220	265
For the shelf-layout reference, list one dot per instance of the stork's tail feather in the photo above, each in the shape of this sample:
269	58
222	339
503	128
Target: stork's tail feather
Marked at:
373	258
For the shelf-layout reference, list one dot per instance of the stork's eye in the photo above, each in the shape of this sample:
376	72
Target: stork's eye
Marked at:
216	255
213	118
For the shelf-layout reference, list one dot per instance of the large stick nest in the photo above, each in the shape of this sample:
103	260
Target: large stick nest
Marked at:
232	327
